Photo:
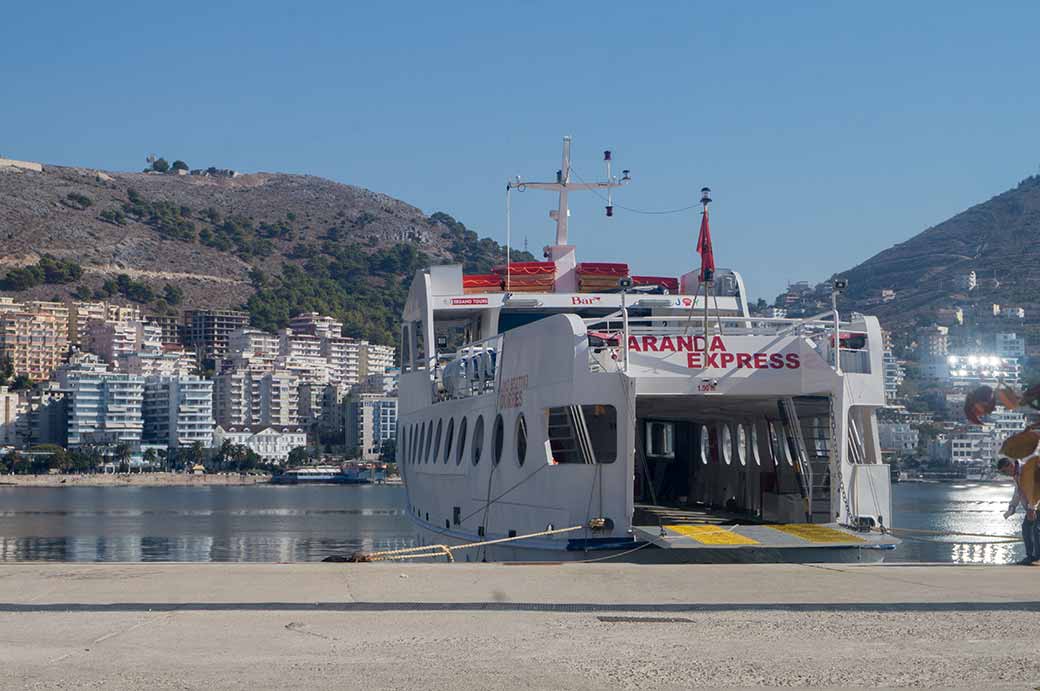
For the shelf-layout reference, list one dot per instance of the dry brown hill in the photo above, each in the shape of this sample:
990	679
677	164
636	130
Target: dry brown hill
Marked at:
270	241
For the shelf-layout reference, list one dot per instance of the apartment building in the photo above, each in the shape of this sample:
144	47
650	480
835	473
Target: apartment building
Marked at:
370	419
111	340
207	332
36	342
178	411
101	406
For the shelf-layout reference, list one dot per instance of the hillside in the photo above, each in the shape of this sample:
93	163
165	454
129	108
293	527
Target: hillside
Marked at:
272	243
998	239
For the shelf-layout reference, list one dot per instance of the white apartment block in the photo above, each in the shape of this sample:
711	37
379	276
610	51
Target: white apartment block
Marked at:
973	444
168	363
178	412
102	405
897	438
376	359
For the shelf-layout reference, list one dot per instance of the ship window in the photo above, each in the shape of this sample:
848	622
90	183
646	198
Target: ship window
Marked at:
753	444
429	443
705	445
742	443
582	433
774	444
498	435
437	442
402	448
478	439
785	447
521	439
660	439
420	345
406	348
462	442
416	443
448	438
726	443
421	444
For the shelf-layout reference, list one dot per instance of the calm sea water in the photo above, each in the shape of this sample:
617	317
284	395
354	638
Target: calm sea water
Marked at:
279	524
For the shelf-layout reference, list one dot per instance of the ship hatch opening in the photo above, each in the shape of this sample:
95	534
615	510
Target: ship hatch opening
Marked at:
730	461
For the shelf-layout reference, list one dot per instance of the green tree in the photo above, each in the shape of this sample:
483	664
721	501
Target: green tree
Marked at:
160	165
180	165
299	456
388	451
173	294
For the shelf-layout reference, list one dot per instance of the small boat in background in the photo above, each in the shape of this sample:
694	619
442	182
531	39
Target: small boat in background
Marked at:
323	475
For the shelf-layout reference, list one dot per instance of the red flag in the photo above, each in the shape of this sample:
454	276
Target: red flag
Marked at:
704	249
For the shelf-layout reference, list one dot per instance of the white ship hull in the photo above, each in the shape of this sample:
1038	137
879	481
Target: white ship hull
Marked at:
709	434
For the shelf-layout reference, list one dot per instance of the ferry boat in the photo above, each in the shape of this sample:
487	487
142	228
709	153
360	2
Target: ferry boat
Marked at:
654	416
322	475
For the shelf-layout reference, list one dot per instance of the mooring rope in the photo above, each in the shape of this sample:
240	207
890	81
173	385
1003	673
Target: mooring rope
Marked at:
445	550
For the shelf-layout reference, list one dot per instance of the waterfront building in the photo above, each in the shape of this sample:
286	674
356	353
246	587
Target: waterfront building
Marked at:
271	442
36	342
897	438
178	411
46	415
207	332
973	444
370	420
102	406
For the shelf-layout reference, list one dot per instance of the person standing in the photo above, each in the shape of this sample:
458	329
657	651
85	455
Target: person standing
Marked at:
1030	535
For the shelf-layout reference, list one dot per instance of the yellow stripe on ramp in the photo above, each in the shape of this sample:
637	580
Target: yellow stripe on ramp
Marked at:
711	535
816	533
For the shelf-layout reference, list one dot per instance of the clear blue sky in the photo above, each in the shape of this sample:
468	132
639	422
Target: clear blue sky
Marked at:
827	131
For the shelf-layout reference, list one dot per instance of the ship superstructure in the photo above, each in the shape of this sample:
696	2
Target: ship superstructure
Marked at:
656	410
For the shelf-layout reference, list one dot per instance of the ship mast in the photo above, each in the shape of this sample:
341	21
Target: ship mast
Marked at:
563	186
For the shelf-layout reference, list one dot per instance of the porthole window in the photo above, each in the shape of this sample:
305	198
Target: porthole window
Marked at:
705	445
448	438
498	439
462	442
753	444
727	444
478	439
742	444
521	439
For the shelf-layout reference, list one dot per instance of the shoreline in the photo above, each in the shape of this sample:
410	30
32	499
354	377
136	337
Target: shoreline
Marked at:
133	480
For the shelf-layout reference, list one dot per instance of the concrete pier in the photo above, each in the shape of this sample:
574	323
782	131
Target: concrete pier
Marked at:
591	626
